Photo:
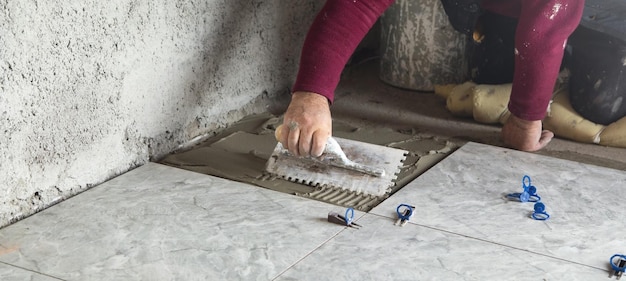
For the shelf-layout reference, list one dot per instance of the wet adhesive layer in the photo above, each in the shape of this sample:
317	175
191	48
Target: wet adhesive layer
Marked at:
241	151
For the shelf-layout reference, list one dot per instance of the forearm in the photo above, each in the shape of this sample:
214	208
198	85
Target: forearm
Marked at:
331	40
540	40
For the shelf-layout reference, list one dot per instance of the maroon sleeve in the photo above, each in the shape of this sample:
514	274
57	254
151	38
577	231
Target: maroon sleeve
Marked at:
540	39
336	31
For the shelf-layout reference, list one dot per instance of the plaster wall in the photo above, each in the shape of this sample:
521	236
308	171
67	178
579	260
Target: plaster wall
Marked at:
91	89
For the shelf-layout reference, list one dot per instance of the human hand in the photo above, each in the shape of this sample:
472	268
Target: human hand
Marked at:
525	135
307	124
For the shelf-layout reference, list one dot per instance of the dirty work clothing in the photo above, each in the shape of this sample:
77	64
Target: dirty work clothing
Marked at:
541	34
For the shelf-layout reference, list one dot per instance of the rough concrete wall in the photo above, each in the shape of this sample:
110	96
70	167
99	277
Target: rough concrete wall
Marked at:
90	89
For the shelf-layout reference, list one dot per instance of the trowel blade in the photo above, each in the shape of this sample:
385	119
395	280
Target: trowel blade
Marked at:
359	167
334	155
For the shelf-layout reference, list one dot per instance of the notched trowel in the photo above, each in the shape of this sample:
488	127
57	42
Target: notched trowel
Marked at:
349	165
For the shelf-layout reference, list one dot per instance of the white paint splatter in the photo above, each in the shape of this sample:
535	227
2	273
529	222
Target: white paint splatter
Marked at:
624	61
597	85
517	52
617	105
564	44
555	10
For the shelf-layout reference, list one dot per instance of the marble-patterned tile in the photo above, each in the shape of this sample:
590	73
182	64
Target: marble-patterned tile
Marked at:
162	223
12	273
382	251
465	192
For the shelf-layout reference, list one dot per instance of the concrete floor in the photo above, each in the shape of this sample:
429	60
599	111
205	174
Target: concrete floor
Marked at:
361	96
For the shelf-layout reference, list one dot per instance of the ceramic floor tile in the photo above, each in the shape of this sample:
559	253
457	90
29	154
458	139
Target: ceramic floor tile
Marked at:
11	273
163	223
465	194
382	251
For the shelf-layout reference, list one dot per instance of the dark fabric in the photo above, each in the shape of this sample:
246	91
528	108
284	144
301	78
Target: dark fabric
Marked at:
492	56
606	17
598	75
463	14
597	62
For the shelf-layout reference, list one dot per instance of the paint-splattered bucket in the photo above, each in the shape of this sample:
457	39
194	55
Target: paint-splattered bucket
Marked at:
420	47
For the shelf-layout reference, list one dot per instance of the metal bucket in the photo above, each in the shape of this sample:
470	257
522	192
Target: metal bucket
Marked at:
419	46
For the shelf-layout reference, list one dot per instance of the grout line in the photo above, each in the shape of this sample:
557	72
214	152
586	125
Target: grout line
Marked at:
308	254
30	270
316	248
500	244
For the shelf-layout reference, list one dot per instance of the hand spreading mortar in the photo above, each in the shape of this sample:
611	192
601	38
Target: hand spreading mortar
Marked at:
333	155
334	169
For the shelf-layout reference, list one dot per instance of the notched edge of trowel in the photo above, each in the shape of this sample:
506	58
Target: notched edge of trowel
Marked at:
333	195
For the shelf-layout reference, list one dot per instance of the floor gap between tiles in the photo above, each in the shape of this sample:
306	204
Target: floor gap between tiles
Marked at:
500	244
315	249
30	270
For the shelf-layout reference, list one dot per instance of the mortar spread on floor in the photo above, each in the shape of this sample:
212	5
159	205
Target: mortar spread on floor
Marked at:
241	151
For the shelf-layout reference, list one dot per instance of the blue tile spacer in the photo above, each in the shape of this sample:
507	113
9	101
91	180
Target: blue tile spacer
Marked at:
540	212
528	195
619	267
349	215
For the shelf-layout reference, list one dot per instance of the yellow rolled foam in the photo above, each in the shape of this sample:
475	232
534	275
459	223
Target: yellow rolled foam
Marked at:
444	90
459	101
614	134
491	102
565	122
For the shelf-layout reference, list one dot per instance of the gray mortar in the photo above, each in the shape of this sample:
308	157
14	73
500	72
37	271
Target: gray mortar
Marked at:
91	89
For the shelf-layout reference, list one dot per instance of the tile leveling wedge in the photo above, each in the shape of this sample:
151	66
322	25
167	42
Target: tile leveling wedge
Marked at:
348	165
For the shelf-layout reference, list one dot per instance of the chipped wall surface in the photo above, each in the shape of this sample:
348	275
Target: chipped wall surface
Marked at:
90	89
